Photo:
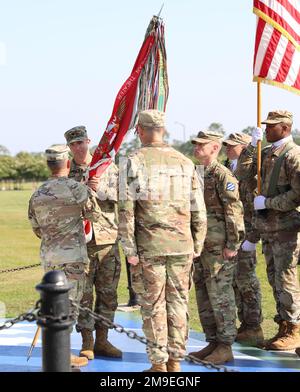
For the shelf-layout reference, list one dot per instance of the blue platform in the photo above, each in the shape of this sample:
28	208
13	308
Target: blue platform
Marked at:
15	343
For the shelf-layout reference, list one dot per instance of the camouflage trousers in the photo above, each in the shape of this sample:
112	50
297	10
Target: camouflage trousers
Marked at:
75	273
162	286
213	278
247	290
281	251
103	275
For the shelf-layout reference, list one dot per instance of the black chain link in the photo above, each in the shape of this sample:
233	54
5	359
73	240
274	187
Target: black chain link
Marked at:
133	335
31	315
20	268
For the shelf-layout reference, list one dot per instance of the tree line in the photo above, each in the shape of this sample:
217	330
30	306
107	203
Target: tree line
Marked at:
26	166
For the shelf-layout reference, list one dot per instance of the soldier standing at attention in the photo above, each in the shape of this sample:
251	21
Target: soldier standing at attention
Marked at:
162	226
246	284
56	212
214	269
105	265
278	220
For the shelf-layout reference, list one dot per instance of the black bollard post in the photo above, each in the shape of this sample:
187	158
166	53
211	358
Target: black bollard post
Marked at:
55	334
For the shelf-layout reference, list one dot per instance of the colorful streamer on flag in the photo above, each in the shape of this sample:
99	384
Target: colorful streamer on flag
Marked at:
146	88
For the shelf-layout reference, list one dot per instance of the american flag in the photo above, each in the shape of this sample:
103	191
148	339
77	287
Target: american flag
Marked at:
277	43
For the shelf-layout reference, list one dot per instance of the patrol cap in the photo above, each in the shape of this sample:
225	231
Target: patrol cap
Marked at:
57	152
207	137
76	134
279	116
235	139
151	118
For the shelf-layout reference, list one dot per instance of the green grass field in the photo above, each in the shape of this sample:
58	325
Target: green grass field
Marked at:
19	247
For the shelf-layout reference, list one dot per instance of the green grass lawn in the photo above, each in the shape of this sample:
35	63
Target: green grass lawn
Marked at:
19	247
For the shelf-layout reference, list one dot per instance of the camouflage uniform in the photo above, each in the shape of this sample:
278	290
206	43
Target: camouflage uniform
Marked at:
213	275
246	284
163	221
279	224
105	265
56	212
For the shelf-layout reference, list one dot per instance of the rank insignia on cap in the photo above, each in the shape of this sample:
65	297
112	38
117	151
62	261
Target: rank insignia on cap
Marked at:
230	186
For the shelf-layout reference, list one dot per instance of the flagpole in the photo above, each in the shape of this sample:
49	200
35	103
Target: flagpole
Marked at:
259	141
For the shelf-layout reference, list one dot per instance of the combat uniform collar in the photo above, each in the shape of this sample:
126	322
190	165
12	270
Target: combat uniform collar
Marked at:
155	144
89	160
211	166
283	141
56	177
277	147
233	165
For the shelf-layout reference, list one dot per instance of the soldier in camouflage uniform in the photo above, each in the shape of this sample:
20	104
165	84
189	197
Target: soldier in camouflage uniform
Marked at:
214	269
56	212
162	224
105	265
278	220
246	284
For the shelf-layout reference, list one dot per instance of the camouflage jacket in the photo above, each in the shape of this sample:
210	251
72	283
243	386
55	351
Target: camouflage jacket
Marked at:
282	210
56	212
161	207
106	228
225	220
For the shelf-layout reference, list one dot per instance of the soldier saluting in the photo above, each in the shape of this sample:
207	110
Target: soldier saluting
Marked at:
278	220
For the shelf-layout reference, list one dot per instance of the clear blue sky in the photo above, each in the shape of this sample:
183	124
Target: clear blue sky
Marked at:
66	60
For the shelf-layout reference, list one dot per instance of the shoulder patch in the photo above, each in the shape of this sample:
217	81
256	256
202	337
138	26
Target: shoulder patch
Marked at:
230	186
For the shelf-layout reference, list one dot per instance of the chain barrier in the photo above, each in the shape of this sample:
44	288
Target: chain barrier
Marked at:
34	315
20	268
30	316
133	335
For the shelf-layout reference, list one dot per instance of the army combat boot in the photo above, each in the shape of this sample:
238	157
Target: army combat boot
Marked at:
290	339
221	354
281	331
251	336
205	351
103	347
78	361
87	349
173	366
157	367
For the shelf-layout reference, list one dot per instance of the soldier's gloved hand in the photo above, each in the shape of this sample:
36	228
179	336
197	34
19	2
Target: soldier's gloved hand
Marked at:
259	202
257	134
134	260
248	246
